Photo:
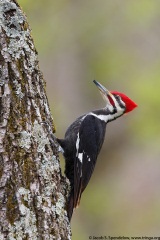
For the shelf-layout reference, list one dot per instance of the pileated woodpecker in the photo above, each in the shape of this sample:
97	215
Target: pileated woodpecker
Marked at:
83	141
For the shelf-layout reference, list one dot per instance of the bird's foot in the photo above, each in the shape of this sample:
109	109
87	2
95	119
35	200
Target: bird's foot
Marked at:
60	149
52	138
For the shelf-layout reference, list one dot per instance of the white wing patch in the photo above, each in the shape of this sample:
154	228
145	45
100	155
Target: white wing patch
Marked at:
77	143
80	157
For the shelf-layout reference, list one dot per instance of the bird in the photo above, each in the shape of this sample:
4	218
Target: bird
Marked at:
83	141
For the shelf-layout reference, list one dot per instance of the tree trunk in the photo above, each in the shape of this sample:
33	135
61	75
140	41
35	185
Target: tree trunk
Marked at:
33	193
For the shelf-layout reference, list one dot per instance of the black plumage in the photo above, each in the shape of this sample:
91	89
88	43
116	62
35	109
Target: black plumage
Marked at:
81	145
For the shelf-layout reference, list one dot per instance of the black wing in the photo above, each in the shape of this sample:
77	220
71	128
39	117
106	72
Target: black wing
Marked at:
89	141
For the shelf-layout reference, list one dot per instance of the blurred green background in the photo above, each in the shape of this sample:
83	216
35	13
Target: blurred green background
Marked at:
116	42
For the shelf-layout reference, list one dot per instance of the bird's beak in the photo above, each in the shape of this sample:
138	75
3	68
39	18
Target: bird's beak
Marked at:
104	92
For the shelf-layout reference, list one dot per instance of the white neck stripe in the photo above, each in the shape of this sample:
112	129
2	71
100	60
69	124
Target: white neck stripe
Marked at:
108	117
104	118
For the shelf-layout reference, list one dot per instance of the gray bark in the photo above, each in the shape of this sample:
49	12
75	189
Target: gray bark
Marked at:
33	193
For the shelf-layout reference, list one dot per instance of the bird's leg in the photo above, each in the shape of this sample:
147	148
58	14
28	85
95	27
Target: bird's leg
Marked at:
54	142
52	138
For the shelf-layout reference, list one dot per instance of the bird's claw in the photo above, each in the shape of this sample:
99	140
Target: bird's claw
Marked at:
52	138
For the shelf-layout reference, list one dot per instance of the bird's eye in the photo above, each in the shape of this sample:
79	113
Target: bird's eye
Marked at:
118	97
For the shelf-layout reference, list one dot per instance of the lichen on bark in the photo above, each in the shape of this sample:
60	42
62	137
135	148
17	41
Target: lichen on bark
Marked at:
33	193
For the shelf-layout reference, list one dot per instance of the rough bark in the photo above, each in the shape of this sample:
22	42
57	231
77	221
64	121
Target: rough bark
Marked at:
32	190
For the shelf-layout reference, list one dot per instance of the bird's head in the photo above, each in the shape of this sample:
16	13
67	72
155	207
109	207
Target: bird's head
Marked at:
116	100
